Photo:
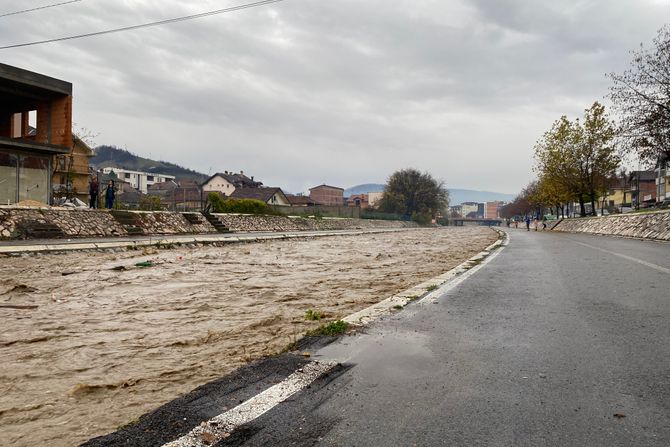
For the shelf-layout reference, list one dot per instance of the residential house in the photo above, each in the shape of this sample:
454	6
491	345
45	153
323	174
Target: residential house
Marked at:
300	200
71	172
327	195
374	198
360	200
162	189
618	194
138	179
26	160
271	196
227	182
662	180
643	188
184	196
128	198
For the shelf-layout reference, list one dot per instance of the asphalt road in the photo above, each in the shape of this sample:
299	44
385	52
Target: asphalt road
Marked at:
560	340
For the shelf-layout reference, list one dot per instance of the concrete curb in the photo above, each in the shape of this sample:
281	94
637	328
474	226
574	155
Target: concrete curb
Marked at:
428	290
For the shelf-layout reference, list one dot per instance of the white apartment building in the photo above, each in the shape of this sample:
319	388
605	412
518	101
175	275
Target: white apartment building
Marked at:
139	180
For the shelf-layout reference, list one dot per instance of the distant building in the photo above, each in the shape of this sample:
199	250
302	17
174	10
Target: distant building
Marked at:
618	194
374	198
327	195
468	208
271	196
227	182
184	196
480	210
138	179
162	187
71	172
129	199
643	187
300	200
492	210
164	190
456	211
360	200
662	172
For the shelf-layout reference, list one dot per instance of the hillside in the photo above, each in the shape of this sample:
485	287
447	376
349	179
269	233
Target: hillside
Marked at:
112	156
456	196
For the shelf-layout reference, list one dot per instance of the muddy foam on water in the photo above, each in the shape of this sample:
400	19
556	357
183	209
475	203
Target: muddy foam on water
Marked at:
91	341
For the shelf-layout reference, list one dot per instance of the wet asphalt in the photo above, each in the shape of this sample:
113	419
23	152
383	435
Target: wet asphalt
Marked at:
560	340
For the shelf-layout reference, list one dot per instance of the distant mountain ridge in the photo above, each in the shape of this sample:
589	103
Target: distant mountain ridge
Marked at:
111	156
456	196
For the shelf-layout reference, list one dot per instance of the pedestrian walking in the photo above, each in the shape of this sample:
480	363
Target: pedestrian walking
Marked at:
93	191
110	195
535	223
544	223
527	223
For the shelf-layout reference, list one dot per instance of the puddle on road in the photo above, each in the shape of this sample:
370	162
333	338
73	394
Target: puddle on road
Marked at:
105	345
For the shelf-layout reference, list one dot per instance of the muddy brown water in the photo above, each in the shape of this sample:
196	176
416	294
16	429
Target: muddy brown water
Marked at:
109	341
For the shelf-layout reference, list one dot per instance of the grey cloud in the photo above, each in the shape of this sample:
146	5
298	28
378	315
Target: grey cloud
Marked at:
343	92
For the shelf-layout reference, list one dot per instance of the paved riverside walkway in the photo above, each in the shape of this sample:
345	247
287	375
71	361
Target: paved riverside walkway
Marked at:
47	245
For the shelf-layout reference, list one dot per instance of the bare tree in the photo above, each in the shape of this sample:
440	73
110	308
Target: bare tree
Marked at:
641	97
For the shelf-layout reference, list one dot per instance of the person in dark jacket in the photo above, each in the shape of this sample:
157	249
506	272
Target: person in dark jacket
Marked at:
109	195
93	190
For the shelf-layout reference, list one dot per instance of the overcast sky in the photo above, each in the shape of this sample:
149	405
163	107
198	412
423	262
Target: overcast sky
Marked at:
343	92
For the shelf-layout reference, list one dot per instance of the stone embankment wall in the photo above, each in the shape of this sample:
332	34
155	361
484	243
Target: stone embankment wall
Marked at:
75	223
95	223
655	225
245	222
161	222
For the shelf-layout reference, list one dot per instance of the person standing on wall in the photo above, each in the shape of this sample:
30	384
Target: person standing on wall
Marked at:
109	195
93	190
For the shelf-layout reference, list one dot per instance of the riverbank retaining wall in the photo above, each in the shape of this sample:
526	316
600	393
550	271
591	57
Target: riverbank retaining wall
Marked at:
651	225
22	222
245	222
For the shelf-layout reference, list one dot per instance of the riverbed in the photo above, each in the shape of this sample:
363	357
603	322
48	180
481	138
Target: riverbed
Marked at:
95	339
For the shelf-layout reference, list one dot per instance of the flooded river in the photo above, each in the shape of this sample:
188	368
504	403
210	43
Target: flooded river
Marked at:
95	340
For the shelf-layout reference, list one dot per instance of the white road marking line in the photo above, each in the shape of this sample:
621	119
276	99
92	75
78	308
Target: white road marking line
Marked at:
484	258
630	258
219	427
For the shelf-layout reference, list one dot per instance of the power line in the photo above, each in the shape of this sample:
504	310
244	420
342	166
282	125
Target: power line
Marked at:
145	25
38	8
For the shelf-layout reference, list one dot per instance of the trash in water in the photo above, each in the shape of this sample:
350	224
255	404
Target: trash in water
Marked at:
21	288
144	264
18	306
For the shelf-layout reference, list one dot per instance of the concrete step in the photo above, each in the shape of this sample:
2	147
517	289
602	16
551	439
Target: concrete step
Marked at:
216	223
33	229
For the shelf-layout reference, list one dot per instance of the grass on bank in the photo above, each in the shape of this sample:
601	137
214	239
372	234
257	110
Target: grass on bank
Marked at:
313	315
338	327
